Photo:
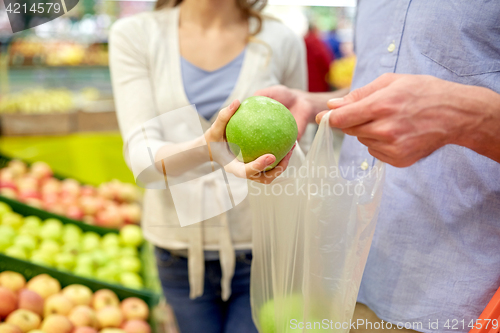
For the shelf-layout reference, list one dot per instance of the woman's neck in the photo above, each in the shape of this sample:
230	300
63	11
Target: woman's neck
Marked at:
210	14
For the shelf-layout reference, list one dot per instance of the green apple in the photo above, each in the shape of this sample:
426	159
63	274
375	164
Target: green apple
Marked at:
51	229
5	242
27	242
71	234
261	126
107	274
85	271
17	252
65	261
7	231
129	251
112	252
50	247
110	239
100	257
42	258
12	219
131	280
4	208
33	221
131	235
90	241
85	259
130	264
283	310
72	248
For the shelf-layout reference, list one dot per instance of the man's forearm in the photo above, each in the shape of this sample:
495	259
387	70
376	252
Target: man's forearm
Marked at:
482	132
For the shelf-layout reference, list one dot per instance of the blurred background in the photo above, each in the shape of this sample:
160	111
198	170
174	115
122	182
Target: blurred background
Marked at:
57	111
54	80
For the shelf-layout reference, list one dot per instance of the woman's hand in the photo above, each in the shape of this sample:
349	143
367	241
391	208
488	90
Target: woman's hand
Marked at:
216	141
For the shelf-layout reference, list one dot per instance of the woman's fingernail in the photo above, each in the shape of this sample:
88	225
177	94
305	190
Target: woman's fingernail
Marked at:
335	102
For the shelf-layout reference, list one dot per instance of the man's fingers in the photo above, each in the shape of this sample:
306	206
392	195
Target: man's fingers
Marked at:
320	116
363	92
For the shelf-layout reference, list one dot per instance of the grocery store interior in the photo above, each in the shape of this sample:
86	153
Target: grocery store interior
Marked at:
70	210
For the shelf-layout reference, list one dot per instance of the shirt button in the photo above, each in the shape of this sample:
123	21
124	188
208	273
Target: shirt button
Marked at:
391	47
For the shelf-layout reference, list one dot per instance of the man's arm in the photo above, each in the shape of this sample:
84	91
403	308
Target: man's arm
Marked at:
303	105
403	118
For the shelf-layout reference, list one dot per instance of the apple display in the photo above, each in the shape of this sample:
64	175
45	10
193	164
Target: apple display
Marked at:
4	208
24	319
131	213
9	302
127	251
18	167
9	328
56	324
42	258
112	330
131	235
109	316
107	274
51	229
12	280
110	239
110	217
30	300
136	326
83	315
44	285
57	304
40	170
5	242
65	261
78	294
84	271
90	241
135	308
103	298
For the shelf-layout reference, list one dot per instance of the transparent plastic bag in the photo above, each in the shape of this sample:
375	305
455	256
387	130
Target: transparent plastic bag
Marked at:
312	233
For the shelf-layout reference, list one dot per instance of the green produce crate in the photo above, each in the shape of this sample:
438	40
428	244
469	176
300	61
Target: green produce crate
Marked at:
30	270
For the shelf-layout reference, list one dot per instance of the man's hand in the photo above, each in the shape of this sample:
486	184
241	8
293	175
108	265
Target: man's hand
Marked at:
295	101
403	118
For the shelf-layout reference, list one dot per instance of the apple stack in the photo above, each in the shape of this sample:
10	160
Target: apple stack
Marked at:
112	205
40	306
112	258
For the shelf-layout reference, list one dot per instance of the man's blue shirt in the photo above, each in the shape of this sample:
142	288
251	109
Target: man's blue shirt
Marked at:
435	255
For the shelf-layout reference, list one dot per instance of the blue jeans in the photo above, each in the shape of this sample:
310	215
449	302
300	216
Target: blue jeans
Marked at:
208	313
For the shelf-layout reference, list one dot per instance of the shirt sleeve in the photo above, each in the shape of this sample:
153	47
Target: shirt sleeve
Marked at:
134	99
295	75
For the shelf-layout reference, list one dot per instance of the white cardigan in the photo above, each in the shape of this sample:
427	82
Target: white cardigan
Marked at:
147	83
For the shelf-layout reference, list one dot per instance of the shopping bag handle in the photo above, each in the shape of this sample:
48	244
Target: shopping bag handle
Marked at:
484	323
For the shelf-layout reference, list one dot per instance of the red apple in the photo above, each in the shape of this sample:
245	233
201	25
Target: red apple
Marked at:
84	329
7	179
24	319
128	193
89	219
78	294
103	298
8	193
74	212
27	183
57	304
9	328
57	324
17	167
12	280
131	213
88	190
51	186
8	302
44	285
90	205
70	187
135	308
30	300
136	326
109	316
110	217
40	170
83	315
